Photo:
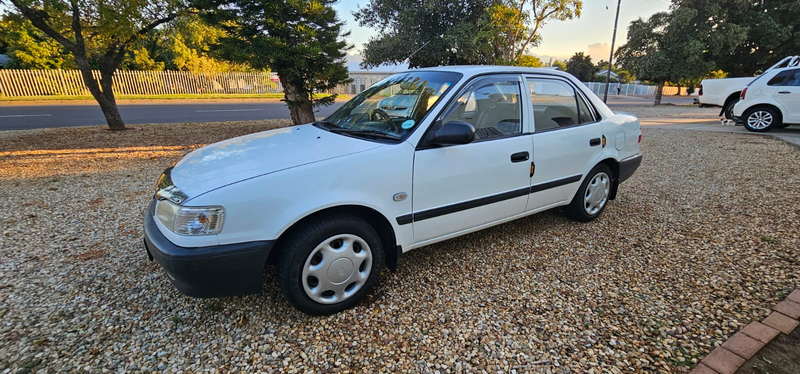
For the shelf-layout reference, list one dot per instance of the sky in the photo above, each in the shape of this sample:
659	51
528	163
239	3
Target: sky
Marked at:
591	33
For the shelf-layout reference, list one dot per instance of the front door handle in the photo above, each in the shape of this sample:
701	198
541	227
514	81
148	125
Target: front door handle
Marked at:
784	92
594	142
520	156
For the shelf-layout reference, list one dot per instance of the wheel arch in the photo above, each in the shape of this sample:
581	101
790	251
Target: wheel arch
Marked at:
764	105
377	220
732	98
614	166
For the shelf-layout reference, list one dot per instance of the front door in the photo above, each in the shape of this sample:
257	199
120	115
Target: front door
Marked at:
567	140
461	187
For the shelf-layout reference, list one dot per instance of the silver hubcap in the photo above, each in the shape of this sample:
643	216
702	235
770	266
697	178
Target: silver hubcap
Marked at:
596	193
337	268
759	119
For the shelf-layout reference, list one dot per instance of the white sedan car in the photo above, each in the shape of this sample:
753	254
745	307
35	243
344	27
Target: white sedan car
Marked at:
770	101
333	202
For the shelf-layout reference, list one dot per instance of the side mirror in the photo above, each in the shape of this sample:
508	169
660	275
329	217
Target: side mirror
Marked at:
453	133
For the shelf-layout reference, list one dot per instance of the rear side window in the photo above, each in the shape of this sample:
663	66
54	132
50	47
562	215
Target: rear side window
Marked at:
794	80
556	104
781	78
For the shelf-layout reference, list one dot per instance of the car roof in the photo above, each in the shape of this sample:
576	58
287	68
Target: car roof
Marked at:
473	70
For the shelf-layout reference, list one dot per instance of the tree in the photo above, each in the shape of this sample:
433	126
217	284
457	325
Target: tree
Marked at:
529	61
301	40
744	37
581	66
429	32
561	65
457	32
29	48
527	17
101	31
659	50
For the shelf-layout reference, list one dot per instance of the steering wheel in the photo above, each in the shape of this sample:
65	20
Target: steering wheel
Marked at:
381	116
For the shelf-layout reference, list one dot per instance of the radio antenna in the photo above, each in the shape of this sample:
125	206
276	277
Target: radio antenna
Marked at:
411	55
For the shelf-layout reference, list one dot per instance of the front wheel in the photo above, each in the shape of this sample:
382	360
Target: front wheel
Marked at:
762	119
592	196
330	264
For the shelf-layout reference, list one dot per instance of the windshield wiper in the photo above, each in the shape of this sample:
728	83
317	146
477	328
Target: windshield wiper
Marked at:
367	133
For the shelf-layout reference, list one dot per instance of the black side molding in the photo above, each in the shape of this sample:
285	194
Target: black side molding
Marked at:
457	207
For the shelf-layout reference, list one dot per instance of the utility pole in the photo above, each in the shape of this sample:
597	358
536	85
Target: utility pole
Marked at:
611	55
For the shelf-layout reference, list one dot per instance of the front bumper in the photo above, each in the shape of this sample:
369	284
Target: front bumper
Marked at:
628	166
216	271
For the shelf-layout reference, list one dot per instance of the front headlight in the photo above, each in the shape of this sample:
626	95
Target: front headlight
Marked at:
182	220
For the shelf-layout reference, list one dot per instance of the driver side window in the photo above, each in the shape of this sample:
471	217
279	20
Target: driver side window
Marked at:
491	106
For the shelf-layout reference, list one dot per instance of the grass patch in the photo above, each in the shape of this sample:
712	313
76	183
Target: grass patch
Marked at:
769	239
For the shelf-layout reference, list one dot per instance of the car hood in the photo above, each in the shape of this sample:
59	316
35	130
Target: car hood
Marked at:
250	156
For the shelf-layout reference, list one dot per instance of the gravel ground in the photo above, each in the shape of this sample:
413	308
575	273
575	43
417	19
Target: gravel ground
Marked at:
701	240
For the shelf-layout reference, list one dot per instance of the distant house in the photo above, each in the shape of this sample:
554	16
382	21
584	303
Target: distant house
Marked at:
4	61
605	71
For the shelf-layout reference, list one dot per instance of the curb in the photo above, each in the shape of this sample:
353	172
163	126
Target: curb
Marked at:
728	357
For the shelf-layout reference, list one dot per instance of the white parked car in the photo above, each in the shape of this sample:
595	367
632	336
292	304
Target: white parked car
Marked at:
770	101
333	202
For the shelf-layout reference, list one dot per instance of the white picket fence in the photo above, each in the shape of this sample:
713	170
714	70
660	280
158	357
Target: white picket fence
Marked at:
632	89
33	83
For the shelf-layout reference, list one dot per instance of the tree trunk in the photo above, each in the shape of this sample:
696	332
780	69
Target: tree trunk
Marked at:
299	102
105	97
659	93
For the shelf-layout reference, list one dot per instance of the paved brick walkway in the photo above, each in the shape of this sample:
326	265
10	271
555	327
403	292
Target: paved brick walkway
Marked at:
728	357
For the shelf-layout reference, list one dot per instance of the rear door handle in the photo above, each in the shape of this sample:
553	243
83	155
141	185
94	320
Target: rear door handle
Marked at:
594	142
784	92
520	156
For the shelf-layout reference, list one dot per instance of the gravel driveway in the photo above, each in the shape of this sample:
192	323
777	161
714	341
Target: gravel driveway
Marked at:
701	240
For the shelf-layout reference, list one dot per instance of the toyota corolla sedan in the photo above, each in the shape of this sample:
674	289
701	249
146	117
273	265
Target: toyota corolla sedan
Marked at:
333	202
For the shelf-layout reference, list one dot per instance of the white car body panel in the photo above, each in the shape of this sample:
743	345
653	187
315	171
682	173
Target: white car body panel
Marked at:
785	98
717	91
269	181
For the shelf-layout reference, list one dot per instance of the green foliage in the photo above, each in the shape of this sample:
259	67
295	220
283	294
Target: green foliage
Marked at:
717	74
301	40
660	50
581	66
744	37
528	61
29	48
140	59
430	32
561	65
186	45
457	32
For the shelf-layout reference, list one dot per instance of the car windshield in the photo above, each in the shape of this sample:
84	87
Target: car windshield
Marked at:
391	108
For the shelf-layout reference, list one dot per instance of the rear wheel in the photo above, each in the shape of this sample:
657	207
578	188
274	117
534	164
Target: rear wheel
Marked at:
330	264
592	196
728	109
762	119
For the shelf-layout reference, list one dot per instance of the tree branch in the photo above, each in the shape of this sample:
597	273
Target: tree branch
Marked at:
38	18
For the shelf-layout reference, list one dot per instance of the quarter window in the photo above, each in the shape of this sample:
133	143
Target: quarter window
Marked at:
555	105
785	78
492	106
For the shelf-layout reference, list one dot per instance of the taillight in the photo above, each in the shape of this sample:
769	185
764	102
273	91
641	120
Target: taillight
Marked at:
700	90
744	91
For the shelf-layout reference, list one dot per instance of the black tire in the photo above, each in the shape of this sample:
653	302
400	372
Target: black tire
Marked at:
762	119
579	209
296	254
728	109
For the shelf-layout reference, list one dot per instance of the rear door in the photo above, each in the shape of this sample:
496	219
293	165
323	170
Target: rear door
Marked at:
567	140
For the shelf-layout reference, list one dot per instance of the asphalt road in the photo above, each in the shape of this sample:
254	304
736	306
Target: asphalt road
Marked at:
34	116
24	117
